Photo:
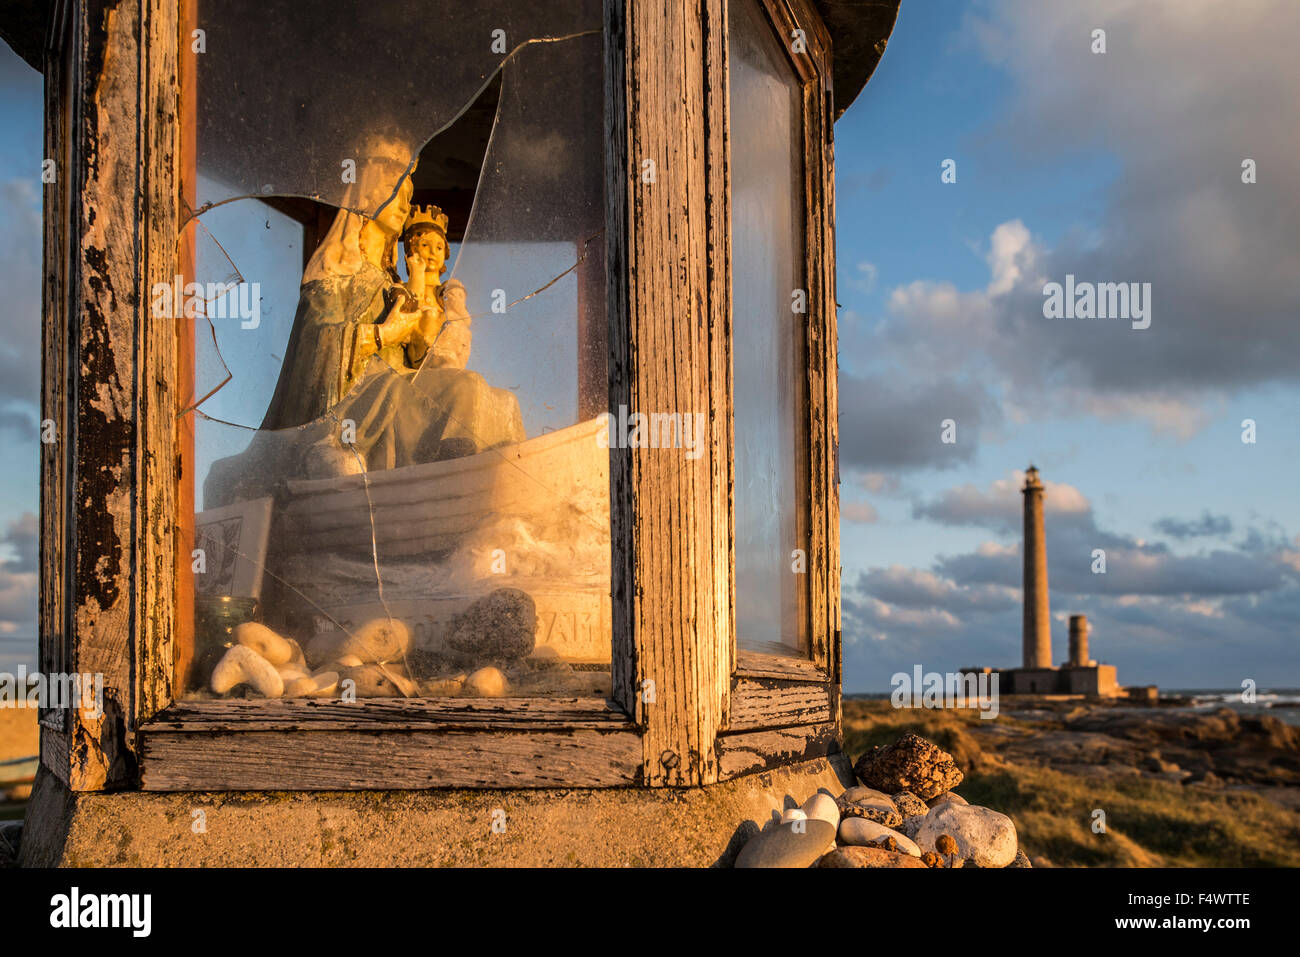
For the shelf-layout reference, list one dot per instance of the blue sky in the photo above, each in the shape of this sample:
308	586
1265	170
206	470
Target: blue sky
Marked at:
20	357
1096	164
1116	167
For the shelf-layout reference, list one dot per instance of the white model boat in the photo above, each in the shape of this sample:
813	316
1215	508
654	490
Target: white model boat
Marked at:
428	509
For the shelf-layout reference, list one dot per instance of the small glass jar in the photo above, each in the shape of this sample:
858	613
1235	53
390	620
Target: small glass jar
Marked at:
215	620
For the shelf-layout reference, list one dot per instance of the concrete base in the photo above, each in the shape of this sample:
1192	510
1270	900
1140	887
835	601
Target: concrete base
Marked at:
689	827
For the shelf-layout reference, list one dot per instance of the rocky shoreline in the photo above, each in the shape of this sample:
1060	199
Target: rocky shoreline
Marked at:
1216	749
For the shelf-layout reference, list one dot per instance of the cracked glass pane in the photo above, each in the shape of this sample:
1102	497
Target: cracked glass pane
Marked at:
293	101
397	480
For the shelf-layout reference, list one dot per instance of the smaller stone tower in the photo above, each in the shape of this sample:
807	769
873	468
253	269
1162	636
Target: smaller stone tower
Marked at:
1079	641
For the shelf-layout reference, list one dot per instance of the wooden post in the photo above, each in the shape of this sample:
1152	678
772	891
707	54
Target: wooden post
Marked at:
55	630
118	579
671	620
185	131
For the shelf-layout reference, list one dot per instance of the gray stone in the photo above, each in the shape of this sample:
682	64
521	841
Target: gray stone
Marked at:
913	810
981	833
870	804
909	804
1021	859
859	831
865	795
500	626
946	798
911	825
885	814
797	844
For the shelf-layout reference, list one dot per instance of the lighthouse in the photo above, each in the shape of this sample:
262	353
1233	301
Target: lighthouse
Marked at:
1037	622
1080	675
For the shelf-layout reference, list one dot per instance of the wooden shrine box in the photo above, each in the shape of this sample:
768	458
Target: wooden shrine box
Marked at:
701	727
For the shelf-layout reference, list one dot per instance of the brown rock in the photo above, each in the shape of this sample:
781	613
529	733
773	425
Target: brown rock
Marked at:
909	764
867	857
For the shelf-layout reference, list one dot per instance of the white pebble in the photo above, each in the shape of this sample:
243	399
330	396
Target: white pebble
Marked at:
264	641
380	639
290	673
487	683
242	665
313	686
862	832
822	807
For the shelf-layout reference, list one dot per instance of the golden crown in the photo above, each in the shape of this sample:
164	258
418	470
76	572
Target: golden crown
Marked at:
431	215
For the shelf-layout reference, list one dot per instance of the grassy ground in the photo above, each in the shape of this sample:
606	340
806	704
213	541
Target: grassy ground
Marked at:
1149	823
18	739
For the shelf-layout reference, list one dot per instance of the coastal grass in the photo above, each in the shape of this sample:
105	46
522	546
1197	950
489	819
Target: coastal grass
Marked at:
1148	822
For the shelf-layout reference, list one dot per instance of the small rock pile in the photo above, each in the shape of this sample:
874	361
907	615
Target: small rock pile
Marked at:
904	814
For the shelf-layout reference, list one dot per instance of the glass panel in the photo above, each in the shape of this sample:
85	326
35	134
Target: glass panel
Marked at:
288	95
398	484
767	256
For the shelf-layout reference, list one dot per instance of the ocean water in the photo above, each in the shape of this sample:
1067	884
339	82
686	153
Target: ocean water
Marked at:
1281	703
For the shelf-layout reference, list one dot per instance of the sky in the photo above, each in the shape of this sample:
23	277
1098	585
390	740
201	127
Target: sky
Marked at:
20	354
1122	166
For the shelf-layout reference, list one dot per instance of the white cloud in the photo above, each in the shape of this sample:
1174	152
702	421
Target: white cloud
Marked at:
1011	254
1000	504
860	512
863	277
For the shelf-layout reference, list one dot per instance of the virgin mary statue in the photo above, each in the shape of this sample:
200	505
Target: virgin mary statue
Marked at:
347	399
350	285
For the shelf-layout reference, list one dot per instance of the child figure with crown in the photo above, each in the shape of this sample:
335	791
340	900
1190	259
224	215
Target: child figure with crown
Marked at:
442	335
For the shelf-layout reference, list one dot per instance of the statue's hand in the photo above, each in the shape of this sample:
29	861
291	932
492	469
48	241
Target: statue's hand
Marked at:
397	328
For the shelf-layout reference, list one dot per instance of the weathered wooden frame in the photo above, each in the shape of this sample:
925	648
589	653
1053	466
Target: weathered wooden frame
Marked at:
786	706
686	709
